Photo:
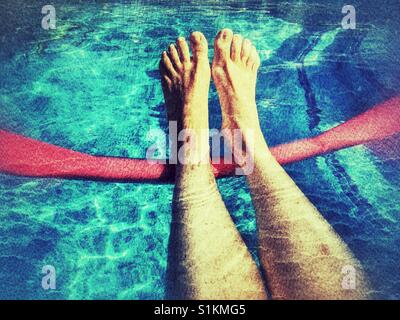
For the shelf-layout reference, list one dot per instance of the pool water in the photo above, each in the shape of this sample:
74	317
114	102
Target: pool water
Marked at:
92	85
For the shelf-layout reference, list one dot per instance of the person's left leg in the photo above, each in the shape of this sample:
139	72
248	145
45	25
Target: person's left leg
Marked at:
300	253
207	256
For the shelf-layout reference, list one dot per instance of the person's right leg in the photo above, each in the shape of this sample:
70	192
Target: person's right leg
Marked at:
207	257
301	254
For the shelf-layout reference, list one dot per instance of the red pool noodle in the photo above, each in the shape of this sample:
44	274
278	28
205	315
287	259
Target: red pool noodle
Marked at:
27	157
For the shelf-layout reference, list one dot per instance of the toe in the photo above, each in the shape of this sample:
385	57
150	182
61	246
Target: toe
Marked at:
165	77
222	45
246	50
199	46
236	47
166	65
174	56
183	50
254	60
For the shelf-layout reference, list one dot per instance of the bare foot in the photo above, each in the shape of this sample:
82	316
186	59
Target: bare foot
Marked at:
234	71
186	81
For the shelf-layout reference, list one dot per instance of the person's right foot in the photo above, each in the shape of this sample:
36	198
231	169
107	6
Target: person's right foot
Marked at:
234	71
186	81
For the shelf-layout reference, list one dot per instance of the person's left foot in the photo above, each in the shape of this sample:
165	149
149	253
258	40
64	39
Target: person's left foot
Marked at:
186	81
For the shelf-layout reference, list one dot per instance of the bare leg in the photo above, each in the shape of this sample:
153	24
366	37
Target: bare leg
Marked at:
301	254
207	257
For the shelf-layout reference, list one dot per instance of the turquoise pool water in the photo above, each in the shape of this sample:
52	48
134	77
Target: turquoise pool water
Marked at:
92	85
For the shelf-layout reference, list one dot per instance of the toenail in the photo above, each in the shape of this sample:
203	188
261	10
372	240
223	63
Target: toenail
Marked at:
196	36
180	39
225	33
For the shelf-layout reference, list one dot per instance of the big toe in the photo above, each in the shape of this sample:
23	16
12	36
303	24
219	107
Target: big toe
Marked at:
222	46
199	46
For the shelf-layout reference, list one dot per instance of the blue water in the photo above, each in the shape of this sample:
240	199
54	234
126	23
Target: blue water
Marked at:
92	85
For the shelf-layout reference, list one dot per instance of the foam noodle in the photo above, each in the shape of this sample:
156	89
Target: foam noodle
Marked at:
27	157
